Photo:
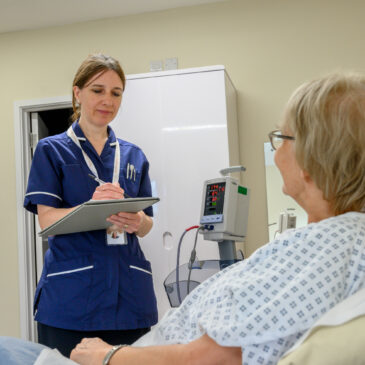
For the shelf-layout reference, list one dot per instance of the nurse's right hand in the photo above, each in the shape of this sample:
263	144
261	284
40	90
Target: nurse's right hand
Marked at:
108	191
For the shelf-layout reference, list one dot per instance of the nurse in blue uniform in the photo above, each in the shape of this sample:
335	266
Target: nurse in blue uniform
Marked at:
95	283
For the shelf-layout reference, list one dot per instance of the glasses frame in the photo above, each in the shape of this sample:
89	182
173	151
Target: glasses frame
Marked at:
282	136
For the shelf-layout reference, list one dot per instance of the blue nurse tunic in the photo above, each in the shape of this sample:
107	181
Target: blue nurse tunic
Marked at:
86	284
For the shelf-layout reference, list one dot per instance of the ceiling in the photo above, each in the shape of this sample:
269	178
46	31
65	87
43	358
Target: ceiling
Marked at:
17	15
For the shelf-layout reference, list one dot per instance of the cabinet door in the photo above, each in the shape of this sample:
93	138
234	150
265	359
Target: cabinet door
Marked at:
139	122
180	122
194	136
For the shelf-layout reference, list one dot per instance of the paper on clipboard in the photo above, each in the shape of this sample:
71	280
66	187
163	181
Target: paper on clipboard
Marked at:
92	215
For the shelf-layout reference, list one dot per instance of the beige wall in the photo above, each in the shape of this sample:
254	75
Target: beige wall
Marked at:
277	202
268	48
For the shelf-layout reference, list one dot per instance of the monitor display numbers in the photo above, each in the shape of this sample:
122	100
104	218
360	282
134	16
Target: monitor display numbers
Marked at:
214	198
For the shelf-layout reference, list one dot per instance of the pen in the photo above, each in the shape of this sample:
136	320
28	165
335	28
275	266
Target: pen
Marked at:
97	179
103	182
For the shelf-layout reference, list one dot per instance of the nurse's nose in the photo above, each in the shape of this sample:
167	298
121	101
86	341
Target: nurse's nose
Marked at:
108	100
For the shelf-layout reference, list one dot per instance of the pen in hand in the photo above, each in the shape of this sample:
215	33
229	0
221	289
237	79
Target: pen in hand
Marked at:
103	182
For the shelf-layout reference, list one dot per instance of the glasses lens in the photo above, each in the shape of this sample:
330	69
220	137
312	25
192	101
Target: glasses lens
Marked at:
276	142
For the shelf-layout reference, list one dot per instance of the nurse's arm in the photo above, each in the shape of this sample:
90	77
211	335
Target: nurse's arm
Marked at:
48	215
203	351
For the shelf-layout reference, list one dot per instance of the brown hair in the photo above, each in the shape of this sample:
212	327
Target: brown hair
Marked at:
327	119
94	64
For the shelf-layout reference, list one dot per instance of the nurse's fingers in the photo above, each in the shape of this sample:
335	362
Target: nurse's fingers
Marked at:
104	195
110	187
129	216
129	222
108	191
127	226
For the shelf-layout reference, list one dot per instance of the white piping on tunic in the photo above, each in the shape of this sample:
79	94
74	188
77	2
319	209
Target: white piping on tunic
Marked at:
71	271
140	269
43	192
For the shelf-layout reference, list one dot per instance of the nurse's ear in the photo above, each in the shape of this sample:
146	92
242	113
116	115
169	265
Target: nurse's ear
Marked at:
77	91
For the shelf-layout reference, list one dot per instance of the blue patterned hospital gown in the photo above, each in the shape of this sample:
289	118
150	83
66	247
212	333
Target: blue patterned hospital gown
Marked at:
265	303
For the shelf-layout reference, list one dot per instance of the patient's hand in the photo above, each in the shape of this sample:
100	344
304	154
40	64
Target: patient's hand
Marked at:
203	351
90	351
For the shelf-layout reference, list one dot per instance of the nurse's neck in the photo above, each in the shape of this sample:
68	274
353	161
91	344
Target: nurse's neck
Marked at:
96	135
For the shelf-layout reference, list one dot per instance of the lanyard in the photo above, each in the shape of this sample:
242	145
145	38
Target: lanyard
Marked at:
89	163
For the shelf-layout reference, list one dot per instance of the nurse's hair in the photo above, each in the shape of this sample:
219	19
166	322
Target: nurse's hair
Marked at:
327	119
94	64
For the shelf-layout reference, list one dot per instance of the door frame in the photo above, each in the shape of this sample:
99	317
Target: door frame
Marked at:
25	219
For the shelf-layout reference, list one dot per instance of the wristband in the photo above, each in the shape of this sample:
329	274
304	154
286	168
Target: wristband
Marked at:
111	352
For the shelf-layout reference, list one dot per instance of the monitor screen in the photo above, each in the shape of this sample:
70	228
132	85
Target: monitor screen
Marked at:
214	198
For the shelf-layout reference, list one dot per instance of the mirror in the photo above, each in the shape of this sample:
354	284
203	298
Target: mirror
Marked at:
277	201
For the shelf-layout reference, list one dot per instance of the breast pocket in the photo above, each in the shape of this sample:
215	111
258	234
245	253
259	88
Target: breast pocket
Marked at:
131	180
76	188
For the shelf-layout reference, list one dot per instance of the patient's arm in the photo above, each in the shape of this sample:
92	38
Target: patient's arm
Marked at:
203	351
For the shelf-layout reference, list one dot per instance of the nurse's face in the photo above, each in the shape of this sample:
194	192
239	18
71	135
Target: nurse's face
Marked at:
293	181
100	98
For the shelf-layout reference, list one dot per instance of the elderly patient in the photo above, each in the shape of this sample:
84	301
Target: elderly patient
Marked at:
254	311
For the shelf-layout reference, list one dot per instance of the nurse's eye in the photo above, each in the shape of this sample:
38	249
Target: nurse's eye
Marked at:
97	91
117	94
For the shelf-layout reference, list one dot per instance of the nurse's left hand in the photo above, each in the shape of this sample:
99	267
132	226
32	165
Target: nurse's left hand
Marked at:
90	351
128	222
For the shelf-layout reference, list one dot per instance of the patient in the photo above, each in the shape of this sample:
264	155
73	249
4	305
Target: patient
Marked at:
254	311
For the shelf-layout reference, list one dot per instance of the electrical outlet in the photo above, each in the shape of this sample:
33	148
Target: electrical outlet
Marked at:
171	63
156	65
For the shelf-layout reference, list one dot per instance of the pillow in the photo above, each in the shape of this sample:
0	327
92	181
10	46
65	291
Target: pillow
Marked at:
331	345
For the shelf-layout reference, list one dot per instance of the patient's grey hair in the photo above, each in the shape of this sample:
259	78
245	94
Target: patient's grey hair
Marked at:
327	119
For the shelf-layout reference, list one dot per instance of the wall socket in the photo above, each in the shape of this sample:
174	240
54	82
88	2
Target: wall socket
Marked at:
171	63
168	64
155	65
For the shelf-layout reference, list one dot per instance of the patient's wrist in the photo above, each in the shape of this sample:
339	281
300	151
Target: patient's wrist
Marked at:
111	353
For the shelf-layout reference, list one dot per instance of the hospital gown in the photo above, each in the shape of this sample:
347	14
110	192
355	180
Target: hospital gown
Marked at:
265	303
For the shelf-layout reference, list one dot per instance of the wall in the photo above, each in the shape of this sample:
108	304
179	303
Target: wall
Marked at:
268	47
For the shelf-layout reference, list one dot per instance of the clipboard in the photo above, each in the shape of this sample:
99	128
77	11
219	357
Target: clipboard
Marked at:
92	215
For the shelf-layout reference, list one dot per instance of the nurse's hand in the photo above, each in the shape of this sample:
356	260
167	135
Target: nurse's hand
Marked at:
138	223
108	191
90	351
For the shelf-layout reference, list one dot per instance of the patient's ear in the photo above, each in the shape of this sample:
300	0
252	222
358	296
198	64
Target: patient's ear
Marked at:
305	176
308	181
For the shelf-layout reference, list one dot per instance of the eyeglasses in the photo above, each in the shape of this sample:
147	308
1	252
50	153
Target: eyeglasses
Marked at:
276	139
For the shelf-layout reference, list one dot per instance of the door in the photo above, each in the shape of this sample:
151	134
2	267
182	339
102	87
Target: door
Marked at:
39	130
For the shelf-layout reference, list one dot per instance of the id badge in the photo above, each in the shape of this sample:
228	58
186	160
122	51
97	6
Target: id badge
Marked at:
116	238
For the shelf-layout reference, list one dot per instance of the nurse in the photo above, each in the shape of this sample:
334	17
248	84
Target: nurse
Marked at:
95	283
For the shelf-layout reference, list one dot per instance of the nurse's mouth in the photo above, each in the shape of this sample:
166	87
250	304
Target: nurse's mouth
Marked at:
104	112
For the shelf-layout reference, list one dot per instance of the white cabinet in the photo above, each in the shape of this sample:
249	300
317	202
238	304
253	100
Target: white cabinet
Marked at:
186	123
